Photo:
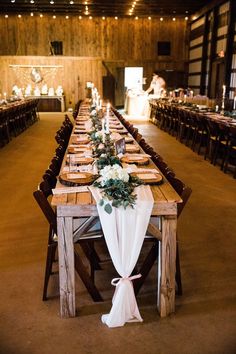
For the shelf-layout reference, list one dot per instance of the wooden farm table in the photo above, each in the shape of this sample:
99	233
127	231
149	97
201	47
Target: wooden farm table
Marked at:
75	205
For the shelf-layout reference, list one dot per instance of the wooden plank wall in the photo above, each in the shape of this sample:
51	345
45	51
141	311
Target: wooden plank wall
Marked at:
89	43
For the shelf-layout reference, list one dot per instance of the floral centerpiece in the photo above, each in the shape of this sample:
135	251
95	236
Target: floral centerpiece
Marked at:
117	187
106	153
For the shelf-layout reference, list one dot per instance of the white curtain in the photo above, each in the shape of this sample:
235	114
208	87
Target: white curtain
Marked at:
124	231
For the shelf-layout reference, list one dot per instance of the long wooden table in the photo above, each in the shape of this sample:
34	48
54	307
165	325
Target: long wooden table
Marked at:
78	205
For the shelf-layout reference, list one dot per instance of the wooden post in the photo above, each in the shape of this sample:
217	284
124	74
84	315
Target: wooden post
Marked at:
213	48
66	266
166	298
204	56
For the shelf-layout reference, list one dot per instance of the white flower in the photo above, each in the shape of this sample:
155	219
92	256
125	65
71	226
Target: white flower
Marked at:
123	175
98	134
93	113
113	172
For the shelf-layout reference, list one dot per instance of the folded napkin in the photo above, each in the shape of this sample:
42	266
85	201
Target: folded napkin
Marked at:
66	190
134	168
137	155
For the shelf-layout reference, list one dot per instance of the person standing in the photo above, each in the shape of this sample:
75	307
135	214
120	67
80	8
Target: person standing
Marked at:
157	85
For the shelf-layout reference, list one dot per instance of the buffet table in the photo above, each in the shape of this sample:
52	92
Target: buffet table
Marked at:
73	205
136	105
50	103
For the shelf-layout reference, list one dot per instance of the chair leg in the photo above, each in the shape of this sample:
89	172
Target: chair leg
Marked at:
48	270
146	267
178	280
91	254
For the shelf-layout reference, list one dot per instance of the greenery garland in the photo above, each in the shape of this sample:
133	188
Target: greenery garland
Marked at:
116	184
118	192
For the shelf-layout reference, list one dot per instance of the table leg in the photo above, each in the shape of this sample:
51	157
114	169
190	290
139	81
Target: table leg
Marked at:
66	266
166	291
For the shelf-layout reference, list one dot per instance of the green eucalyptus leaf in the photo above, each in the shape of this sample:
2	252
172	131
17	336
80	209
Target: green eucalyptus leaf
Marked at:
101	202
108	208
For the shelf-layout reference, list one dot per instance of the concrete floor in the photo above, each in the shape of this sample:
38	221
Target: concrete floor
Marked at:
205	318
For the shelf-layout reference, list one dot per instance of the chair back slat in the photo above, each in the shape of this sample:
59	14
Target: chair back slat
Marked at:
41	197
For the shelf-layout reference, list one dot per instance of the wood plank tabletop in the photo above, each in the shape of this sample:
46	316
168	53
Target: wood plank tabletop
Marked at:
83	204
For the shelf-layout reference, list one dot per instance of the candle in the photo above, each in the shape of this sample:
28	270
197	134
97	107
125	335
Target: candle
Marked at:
234	103
103	130
185	96
107	125
191	94
108	108
224	90
217	108
5	95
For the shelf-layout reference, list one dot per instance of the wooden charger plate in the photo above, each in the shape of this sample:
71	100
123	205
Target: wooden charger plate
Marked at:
81	160
137	160
71	179
75	140
79	149
132	148
149	177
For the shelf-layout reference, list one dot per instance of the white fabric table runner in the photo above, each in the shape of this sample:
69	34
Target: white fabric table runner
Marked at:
124	232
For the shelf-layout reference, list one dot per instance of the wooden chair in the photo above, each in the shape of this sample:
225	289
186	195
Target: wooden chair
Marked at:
154	235
230	158
4	128
212	141
82	235
200	135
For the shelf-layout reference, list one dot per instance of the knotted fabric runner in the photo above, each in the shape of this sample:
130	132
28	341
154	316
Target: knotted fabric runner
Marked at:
124	231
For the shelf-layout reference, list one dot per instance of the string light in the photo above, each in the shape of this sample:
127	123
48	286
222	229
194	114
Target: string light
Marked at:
19	16
54	17
161	19
149	17
41	15
186	18
32	1
173	18
31	14
136	18
67	17
6	16
116	18
51	2
90	17
71	2
103	17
